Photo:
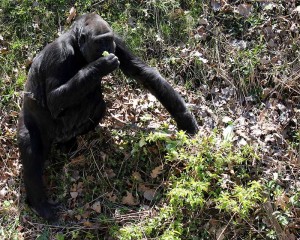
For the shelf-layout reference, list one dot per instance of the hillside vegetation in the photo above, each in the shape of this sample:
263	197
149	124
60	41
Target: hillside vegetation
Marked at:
236	63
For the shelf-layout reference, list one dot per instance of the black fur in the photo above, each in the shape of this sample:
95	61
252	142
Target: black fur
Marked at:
63	97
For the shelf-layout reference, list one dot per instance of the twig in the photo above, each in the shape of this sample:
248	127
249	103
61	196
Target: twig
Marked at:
219	237
278	229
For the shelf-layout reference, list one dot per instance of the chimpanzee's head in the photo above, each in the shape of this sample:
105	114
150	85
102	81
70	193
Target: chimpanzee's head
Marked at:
94	36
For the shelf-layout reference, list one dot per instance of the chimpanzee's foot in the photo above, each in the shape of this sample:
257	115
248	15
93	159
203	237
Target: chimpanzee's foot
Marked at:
45	210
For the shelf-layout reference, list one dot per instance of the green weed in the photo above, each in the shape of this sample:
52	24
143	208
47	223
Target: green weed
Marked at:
197	185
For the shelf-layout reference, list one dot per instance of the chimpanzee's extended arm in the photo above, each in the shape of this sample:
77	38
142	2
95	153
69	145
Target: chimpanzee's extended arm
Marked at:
157	85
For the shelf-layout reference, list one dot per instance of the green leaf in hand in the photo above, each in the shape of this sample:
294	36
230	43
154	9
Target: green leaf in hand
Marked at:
105	53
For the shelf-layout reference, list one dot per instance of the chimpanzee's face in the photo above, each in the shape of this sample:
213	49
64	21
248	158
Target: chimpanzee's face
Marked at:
95	38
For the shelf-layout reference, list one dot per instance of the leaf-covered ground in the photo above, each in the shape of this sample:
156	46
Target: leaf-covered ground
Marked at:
237	65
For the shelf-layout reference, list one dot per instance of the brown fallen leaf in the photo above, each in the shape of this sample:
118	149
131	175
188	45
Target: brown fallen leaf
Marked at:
245	10
142	188
109	173
73	188
88	224
137	176
156	171
72	15
3	192
79	186
96	207
80	160
150	194
217	5
112	197
129	200
282	201
3	50
86	214
76	189
74	194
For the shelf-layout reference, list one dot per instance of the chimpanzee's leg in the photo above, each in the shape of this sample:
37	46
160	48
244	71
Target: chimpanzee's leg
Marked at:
33	152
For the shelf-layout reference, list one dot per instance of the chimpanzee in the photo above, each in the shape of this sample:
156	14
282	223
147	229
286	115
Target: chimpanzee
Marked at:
63	98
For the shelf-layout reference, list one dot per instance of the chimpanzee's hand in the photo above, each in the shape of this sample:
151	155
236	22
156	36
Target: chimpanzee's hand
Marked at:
106	65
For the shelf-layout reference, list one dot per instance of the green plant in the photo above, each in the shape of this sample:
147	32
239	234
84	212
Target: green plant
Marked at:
244	68
197	184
